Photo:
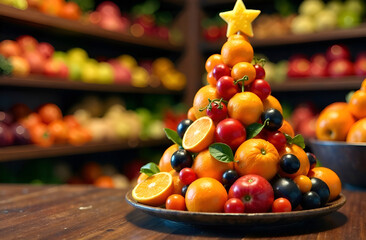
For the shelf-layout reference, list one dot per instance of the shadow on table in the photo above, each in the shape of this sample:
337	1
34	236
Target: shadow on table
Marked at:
321	224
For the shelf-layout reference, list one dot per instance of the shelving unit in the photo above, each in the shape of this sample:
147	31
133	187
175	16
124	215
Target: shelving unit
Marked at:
35	81
27	152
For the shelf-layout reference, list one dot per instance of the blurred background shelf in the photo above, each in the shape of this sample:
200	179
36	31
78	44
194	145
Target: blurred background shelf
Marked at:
317	84
35	18
44	82
27	152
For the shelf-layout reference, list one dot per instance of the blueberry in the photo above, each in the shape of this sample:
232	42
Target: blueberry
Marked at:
184	190
181	159
312	159
274	117
310	200
182	127
229	177
289	163
321	188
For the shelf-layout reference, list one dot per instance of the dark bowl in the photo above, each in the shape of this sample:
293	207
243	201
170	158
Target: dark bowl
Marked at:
348	160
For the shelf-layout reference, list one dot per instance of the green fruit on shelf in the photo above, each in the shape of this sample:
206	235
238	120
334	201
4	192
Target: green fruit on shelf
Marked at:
356	6
349	19
325	20
335	6
311	7
105	73
74	72
61	56
303	24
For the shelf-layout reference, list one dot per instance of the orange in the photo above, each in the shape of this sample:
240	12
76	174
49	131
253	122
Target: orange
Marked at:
330	178
357	104
333	124
211	79
205	165
238	37
257	156
201	99
212	61
164	163
287	128
272	102
235	51
70	10
245	107
206	195
363	85
190	114
49	112
154	190
142	177
336	106
303	182
301	155
59	130
357	132
243	69
177	183
104	182
199	135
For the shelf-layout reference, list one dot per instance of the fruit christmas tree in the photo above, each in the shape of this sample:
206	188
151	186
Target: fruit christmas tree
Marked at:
235	152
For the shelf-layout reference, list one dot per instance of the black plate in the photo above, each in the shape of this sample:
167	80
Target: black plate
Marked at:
205	218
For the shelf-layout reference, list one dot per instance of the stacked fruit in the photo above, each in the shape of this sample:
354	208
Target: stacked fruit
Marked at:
235	153
341	121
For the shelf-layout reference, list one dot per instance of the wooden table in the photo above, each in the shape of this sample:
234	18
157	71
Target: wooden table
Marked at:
85	212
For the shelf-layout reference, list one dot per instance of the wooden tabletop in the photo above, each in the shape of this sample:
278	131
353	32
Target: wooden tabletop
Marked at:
85	212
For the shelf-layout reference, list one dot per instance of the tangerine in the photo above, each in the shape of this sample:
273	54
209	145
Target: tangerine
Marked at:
257	156
330	178
363	85
357	132
336	106
303	182
206	195
301	155
201	99
357	104
245	107
272	102
205	165
333	124
154	190
49	112
190	114
212	61
164	163
177	183
242	69
104	182
199	135
235	51
287	128
211	79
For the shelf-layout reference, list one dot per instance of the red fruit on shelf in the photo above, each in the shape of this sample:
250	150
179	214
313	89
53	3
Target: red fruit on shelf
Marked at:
338	51
299	67
108	8
318	66
36	61
27	43
360	65
6	135
340	68
212	33
10	48
45	49
56	69
70	10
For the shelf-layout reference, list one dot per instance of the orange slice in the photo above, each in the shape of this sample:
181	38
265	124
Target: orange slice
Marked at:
154	190
199	135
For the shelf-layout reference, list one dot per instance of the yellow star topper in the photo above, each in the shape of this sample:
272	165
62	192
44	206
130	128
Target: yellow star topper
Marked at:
239	19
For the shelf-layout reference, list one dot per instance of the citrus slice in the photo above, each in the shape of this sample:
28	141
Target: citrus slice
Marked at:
154	190
199	135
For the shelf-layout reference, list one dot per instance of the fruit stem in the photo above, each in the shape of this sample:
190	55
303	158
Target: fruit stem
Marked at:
217	101
243	79
263	151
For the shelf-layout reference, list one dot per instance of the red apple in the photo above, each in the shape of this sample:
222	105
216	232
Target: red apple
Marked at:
255	192
299	67
54	68
45	49
337	51
307	128
318	66
121	74
10	48
360	65
27	43
302	113
340	67
108	8
112	23
212	33
36	61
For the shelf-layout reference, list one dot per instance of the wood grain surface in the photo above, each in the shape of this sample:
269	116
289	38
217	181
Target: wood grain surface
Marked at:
85	212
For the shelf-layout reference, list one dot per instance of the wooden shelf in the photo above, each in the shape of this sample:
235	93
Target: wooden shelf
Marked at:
338	34
44	82
27	152
317	84
36	18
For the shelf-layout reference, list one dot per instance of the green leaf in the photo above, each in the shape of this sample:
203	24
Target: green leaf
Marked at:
349	95
299	140
173	135
255	128
221	152
150	169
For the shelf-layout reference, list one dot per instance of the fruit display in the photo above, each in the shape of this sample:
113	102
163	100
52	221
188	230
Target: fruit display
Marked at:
28	56
235	153
344	121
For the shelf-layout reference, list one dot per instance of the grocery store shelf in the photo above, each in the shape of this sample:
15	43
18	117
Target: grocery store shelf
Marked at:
27	152
36	18
331	35
317	84
53	83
